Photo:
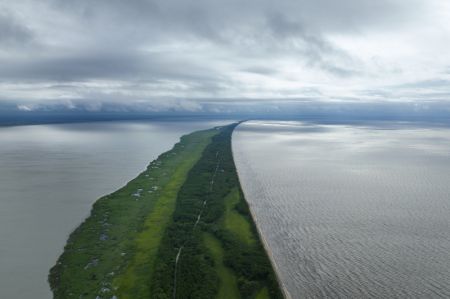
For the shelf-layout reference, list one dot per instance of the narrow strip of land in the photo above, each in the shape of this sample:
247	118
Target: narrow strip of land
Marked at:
222	255
112	251
182	229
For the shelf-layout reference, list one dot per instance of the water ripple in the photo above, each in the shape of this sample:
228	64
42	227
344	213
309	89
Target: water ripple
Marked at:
348	211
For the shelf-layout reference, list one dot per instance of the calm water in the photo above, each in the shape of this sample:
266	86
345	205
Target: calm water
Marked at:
351	211
49	177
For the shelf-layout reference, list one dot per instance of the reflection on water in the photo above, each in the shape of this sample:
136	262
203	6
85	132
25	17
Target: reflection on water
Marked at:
49	177
351	211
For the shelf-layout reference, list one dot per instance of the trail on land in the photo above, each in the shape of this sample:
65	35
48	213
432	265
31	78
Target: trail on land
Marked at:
221	249
112	251
195	225
181	229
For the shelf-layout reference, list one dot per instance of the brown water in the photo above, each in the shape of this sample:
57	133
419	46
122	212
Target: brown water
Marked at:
49	177
351	211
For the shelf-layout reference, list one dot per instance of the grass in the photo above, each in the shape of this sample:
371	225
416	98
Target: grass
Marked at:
263	294
234	221
228	287
132	283
211	248
188	198
114	247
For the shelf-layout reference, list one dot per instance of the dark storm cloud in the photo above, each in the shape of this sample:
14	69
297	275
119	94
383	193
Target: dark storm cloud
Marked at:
244	25
311	46
12	33
214	18
209	52
117	29
101	64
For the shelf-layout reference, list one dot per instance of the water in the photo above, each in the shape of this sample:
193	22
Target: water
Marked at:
49	177
351	211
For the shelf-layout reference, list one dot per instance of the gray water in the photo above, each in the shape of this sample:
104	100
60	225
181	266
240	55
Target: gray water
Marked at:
351	211
49	177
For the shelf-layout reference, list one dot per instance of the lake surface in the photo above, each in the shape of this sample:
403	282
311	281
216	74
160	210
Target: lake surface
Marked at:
49	177
351	211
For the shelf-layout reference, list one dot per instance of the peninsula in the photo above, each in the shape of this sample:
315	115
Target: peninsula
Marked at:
180	229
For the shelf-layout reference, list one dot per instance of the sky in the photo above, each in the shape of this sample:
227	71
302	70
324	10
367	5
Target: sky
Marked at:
223	56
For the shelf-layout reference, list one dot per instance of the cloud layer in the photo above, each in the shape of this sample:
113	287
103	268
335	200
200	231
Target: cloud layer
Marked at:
192	55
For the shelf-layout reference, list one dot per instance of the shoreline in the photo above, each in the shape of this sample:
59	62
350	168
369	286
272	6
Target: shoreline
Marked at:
267	248
124	247
100	247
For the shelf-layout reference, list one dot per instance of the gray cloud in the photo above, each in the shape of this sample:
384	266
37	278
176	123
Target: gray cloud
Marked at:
13	33
216	18
101	64
166	53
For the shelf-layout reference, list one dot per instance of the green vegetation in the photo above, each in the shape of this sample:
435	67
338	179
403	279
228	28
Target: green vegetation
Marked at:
228	287
211	201
112	250
236	222
181	229
263	294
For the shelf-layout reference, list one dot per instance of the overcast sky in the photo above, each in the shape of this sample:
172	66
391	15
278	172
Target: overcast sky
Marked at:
191	55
